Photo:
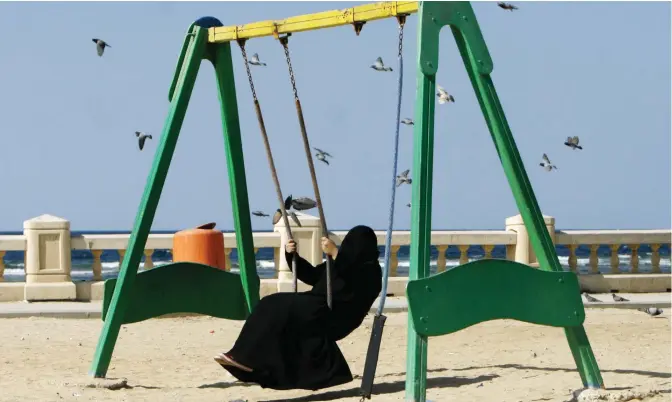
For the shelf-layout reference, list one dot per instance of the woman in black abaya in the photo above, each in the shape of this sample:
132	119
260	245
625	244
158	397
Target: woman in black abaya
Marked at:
289	340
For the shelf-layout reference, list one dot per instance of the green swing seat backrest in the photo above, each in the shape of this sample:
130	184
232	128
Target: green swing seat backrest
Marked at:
182	287
493	289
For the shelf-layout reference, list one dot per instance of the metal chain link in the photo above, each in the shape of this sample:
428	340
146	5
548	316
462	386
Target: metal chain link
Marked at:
284	41
402	20
289	64
372	354
271	163
388	237
247	68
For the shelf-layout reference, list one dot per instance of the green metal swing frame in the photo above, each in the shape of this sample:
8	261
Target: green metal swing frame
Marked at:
438	305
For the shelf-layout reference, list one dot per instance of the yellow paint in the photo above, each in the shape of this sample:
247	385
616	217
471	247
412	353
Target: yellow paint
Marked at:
309	22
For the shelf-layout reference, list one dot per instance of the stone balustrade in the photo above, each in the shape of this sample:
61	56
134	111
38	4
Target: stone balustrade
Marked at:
442	239
614	240
97	243
47	243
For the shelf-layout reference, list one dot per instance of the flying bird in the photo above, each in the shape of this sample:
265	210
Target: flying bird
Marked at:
507	6
254	60
288	202
590	298
303	203
100	46
618	298
322	155
652	311
287	205
444	96
573	142
379	66
141	138
260	214
403	178
408	205
546	164
295	218
407	121
277	216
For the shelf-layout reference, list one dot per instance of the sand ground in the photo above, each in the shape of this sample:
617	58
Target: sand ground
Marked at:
170	359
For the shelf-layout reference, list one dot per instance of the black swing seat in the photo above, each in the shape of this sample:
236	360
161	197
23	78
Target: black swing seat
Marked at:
181	287
493	289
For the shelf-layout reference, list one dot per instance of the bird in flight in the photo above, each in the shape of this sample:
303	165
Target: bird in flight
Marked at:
407	121
278	215
254	60
303	203
322	155
259	214
403	178
546	164
379	66
444	97
141	138
573	142
507	6
100	46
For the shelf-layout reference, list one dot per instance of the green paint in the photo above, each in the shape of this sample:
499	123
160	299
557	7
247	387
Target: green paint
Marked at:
196	288
542	291
236	167
182	287
180	60
421	201
450	301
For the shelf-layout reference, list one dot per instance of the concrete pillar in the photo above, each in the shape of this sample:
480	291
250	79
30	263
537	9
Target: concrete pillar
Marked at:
523	251
48	260
307	238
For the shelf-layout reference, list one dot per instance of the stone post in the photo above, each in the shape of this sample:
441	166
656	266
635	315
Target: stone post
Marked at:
523	252
48	259
307	238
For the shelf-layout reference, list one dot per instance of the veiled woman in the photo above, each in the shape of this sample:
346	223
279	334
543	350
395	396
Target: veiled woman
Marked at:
289	340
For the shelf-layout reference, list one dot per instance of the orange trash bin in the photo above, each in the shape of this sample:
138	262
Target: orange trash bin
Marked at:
203	245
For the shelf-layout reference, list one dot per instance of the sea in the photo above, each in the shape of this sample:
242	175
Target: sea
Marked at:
82	260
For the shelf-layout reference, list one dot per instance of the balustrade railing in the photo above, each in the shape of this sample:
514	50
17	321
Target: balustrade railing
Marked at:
615	246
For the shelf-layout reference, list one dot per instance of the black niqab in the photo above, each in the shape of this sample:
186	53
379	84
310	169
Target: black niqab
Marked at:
289	340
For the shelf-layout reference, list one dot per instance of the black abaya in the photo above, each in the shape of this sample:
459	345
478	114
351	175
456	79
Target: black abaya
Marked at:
289	340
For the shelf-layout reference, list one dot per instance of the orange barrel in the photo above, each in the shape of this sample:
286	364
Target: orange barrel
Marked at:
203	245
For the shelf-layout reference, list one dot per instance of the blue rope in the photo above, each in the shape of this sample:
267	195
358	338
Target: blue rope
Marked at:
388	236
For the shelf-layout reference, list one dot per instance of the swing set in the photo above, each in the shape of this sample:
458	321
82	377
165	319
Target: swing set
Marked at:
438	305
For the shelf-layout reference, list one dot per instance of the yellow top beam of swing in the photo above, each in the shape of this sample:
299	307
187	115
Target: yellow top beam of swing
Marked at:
309	22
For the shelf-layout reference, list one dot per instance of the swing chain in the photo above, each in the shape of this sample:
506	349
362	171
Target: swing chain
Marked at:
269	156
241	43
283	40
402	20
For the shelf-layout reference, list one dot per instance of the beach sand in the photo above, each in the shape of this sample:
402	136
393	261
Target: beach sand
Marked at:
170	359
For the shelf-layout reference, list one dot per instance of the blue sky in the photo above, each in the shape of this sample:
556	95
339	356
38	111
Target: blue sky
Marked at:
597	70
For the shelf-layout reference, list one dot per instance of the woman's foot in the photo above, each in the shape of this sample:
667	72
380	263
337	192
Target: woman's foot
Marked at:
224	360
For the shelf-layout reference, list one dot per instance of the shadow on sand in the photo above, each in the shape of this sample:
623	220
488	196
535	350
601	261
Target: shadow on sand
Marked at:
226	384
389	388
653	374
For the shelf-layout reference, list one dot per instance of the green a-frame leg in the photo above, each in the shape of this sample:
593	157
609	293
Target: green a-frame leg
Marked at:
185	287
442	304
